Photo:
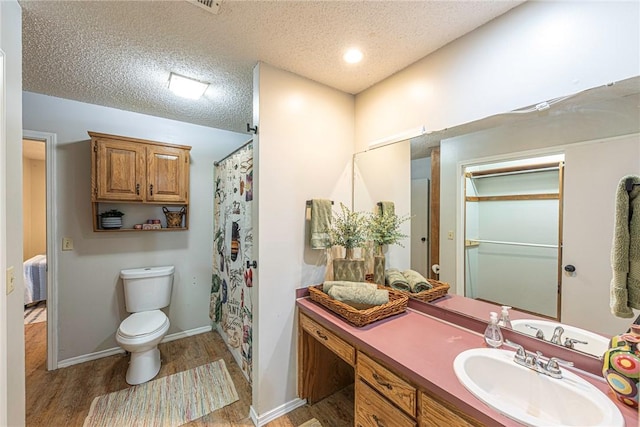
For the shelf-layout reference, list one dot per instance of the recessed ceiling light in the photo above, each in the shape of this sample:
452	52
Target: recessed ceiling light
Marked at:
186	87
353	56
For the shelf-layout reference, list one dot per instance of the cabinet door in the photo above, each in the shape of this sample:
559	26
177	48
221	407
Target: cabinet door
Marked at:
372	410
119	170
167	174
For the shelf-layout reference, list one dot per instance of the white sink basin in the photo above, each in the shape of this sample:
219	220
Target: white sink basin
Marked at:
532	398
596	344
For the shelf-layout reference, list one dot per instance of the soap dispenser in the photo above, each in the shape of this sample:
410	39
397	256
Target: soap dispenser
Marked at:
504	321
493	335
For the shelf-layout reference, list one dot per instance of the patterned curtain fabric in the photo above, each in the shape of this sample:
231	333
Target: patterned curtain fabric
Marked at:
231	297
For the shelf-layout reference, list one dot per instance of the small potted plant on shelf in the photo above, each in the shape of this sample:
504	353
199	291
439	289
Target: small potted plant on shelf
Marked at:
111	219
349	230
383	228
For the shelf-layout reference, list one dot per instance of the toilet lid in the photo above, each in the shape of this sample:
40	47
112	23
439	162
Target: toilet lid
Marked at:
142	323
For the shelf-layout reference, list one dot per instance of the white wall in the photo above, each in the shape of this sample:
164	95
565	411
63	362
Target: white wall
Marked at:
303	150
12	384
91	302
372	184
536	51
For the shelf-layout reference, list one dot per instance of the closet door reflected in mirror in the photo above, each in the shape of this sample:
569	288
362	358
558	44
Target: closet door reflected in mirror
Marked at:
513	229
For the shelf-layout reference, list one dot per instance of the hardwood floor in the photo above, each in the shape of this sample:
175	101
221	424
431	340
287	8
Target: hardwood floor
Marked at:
63	397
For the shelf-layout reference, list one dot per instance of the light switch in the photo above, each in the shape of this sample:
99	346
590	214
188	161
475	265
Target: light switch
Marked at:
67	244
450	235
11	280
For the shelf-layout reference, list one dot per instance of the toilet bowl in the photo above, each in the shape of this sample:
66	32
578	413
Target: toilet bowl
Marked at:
146	291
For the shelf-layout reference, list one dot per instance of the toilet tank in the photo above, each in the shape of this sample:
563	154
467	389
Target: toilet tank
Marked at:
147	288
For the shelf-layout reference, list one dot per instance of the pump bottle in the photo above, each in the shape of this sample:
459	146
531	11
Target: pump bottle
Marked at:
493	335
504	321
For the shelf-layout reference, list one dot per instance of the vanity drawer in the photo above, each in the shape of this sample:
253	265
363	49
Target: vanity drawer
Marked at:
340	347
372	410
387	383
434	413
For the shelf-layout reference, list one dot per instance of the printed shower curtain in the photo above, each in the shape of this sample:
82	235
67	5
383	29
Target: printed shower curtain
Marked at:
231	305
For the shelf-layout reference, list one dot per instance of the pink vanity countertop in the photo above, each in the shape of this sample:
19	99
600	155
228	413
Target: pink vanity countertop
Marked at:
423	348
477	308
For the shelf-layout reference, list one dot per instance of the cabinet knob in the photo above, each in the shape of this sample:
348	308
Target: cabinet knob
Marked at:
151	189
137	189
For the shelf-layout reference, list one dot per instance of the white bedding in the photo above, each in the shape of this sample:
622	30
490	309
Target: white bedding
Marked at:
35	279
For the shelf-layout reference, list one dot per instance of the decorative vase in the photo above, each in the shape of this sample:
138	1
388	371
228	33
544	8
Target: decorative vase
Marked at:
621	366
348	268
378	266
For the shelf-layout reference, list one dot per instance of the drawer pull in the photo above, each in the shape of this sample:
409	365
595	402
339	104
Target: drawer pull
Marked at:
137	189
151	189
382	383
377	420
321	335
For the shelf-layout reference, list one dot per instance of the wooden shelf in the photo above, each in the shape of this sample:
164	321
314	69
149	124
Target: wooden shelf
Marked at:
122	230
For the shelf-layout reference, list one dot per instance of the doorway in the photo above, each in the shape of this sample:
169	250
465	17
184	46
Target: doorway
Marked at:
39	156
513	233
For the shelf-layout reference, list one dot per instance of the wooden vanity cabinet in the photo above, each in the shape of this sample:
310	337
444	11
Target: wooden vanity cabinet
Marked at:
383	398
436	413
130	170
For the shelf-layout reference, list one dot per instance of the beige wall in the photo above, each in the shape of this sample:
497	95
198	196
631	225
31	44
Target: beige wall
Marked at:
303	151
34	207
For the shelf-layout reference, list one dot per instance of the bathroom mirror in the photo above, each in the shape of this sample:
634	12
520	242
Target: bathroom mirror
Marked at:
590	128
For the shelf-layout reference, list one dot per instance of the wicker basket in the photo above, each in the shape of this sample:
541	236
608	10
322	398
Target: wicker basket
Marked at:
397	304
174	219
439	290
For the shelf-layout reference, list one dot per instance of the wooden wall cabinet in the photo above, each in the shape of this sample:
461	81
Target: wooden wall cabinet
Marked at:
129	170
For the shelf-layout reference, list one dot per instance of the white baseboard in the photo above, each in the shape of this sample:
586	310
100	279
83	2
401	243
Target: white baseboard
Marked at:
185	334
89	357
260	420
117	350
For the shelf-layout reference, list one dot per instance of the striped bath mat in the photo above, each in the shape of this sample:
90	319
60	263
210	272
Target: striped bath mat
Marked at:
35	313
170	401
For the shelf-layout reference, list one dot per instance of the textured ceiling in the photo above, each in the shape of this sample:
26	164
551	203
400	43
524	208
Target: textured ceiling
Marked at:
119	54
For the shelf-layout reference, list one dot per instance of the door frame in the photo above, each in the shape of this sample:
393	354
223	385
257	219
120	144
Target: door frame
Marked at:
460	207
3	246
49	140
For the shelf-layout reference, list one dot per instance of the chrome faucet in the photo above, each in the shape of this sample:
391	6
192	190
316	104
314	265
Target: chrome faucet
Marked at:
537	362
539	333
571	342
557	335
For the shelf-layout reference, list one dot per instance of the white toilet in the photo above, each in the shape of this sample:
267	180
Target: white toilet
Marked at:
146	291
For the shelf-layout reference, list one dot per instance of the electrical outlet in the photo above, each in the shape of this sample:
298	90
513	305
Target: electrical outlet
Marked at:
67	244
11	280
450	235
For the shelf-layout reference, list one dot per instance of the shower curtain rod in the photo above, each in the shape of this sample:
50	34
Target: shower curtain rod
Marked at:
534	245
233	152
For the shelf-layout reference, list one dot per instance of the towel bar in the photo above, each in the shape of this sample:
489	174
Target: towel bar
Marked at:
309	202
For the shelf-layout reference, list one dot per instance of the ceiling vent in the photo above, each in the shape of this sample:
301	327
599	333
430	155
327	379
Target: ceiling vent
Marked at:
212	6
